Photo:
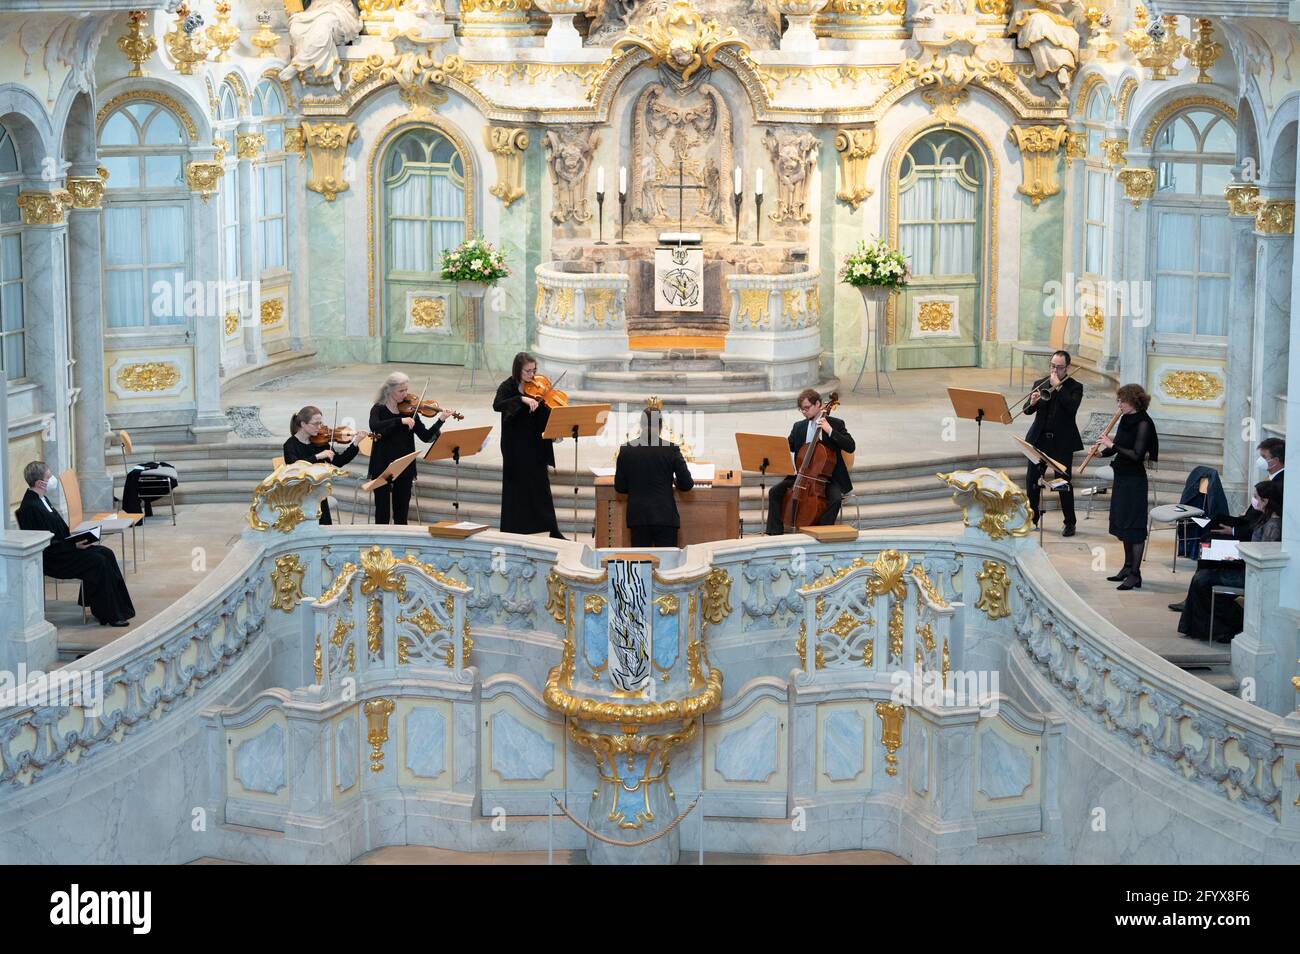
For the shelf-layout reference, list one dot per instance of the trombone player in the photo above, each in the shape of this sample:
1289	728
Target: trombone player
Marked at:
1054	402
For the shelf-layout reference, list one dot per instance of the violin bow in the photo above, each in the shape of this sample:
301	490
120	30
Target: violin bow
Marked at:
334	427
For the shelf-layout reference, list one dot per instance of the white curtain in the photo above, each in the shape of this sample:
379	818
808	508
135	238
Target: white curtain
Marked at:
1175	251
122	246
957	239
916	205
448	203
410	236
938	208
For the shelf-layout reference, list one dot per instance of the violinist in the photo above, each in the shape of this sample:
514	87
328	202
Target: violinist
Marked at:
834	434
526	502
395	431
310	440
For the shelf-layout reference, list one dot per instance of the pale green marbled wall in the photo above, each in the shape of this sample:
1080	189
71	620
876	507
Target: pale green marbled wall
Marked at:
327	285
1042	235
842	309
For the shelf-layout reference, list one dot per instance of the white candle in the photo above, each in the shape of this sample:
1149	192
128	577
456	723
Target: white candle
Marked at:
758	182
622	180
738	189
600	179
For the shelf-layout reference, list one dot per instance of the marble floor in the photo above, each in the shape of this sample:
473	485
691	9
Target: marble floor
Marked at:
419	855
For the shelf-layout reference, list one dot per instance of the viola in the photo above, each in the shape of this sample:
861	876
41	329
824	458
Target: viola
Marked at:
407	408
543	391
815	463
334	435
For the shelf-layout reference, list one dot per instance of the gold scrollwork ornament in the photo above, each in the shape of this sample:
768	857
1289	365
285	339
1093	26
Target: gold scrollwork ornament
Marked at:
994	588
1038	147
377	712
327	143
1138	184
286	582
891	732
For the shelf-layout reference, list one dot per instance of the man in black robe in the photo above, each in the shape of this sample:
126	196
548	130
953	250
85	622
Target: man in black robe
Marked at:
647	469
94	565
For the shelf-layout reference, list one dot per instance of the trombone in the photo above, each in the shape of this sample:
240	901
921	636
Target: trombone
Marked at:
1044	392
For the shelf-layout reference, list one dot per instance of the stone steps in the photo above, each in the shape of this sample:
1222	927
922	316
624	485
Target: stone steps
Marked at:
704	400
674	381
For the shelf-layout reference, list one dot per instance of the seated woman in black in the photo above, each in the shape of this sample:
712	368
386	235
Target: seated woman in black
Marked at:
395	436
95	565
305	425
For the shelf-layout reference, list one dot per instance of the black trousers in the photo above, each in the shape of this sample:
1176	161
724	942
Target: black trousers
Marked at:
396	495
653	535
1228	615
1034	472
776	499
96	567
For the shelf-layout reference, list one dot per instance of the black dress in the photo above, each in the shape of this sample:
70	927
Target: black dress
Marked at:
296	450
392	439
526	503
1135	443
96	566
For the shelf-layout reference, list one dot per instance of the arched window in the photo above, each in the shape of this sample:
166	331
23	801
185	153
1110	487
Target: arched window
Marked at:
227	123
13	356
939	196
1193	155
1098	114
146	220
268	104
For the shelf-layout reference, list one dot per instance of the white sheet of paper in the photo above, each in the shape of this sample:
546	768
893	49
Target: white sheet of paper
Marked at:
1201	521
467	525
704	473
603	471
1220	550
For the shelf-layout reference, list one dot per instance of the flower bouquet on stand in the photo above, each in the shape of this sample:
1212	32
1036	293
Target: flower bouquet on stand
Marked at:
877	270
474	265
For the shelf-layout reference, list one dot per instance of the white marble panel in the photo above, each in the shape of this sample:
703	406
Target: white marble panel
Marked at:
259	762
426	742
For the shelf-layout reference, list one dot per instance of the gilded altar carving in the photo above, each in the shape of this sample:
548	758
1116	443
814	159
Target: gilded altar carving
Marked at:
990	501
1099	39
891	732
271	312
1038	146
428	312
285	491
148	376
184	42
599	305
265	39
86	192
1155	46
753	305
1113	150
327	144
667	604
494	17
203	177
1125	98
1138	184
135	45
681	40
855	147
286	582
860	19
1243	199
1187	385
223	34
952	71
44	208
943	103
1275	217
994	588
569	154
934	316
686	137
377	712
793	156
248	145
507	146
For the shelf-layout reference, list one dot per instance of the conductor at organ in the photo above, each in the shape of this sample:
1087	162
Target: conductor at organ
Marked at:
646	471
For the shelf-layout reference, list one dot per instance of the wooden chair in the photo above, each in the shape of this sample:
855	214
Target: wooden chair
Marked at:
71	487
1056	342
128	448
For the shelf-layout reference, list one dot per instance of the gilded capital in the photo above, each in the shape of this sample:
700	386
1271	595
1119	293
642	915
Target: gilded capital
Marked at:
1275	217
44	208
327	144
1038	146
248	145
1138	183
855	147
203	177
1243	199
1114	150
86	192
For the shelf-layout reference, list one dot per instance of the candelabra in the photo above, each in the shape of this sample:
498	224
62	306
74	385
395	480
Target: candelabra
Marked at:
622	220
737	199
600	219
758	217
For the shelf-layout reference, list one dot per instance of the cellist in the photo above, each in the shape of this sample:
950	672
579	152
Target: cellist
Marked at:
836	437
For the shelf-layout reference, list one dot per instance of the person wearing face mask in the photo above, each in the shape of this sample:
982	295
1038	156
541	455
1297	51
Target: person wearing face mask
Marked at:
94	565
1195	621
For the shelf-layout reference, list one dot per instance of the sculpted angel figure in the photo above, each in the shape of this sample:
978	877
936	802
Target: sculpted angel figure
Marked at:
570	152
315	36
1046	28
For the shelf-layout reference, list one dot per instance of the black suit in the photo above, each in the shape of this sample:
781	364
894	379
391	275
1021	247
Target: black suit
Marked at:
646	473
1243	526
1055	433
95	565
841	441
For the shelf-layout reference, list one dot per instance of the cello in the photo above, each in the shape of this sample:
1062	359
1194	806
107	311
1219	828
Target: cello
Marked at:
814	464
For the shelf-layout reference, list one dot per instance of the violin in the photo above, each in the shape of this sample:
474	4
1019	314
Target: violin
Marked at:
543	391
408	407
805	501
334	435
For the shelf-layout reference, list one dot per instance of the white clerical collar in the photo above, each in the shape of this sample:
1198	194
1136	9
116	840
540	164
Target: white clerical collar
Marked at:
46	501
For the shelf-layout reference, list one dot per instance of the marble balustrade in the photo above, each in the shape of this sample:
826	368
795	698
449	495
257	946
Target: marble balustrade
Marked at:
581	317
775	323
214	706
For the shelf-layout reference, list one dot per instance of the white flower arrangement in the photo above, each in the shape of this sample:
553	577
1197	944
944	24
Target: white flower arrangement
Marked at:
474	260
875	263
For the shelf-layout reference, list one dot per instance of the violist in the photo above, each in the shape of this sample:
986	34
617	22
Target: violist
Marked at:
526	502
394	437
307	424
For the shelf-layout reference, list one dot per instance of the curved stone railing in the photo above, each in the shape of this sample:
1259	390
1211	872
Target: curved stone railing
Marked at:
775	321
576	300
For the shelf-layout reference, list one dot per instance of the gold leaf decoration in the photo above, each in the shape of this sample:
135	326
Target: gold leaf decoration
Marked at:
148	376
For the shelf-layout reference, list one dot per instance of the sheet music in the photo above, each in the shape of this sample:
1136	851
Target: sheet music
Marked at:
702	473
1220	550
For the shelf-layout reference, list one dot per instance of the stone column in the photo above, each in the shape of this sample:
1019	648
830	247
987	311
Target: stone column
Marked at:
295	236
45	313
85	298
1244	343
1131	250
210	424
249	143
26	638
1265	651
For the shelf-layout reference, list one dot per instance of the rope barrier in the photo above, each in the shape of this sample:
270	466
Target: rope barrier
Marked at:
626	844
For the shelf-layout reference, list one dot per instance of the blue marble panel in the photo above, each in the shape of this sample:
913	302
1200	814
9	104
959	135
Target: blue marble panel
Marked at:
345	753
843	745
665	638
919	753
748	754
595	641
426	742
1004	769
519	754
259	762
